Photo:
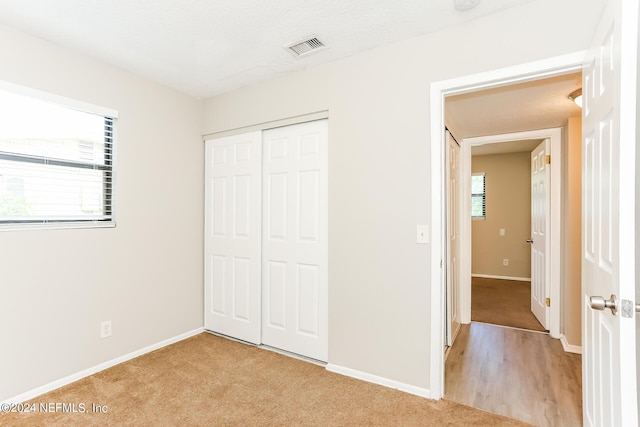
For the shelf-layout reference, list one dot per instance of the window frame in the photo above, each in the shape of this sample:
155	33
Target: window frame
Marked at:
483	217
108	183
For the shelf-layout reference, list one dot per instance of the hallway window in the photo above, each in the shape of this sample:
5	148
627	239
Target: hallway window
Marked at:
478	196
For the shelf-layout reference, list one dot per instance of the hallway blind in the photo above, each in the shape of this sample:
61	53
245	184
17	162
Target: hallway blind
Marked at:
478	196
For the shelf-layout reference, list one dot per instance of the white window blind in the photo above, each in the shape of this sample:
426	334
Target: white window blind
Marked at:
478	196
56	163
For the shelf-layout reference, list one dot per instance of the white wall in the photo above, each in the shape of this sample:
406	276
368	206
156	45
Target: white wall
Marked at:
146	274
637	236
378	105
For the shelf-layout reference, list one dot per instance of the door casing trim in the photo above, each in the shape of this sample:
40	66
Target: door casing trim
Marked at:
553	253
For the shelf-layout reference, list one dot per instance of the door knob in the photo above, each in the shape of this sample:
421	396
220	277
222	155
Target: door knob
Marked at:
529	240
599	303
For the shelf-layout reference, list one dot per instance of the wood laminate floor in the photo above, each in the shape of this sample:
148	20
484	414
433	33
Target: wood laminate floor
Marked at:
520	374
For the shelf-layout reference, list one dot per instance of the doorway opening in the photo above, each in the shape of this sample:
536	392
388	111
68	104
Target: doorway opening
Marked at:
553	67
523	223
502	278
544	179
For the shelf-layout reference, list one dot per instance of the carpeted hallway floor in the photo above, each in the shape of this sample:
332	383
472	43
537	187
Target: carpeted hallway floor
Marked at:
503	302
211	381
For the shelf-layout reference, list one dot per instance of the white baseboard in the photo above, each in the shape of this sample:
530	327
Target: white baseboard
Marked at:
101	367
407	388
570	348
490	276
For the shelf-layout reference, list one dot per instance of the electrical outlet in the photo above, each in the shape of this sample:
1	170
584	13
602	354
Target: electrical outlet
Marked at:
505	262
105	329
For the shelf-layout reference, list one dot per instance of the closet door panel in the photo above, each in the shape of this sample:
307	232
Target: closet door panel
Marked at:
295	239
232	236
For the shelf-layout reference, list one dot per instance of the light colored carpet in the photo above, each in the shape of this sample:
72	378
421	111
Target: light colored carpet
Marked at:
503	302
211	381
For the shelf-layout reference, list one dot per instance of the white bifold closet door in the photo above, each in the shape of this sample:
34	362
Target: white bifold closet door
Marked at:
266	238
294	242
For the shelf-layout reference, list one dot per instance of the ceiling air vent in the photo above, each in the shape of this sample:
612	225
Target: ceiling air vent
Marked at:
305	47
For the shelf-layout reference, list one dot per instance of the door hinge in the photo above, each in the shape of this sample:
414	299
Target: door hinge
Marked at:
548	302
548	159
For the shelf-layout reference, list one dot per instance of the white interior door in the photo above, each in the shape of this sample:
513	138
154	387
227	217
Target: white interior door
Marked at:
540	200
294	245
453	230
608	236
232	236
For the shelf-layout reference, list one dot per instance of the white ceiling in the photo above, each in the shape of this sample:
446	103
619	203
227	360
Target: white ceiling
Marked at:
517	146
206	47
521	107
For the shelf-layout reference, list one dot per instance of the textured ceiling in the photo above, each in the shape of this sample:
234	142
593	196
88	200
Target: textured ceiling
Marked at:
506	147
520	107
206	47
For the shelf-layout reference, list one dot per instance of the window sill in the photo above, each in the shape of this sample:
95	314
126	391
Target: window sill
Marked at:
57	226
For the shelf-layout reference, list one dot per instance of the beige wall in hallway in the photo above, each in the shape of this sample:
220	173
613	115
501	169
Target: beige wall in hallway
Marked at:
508	200
572	206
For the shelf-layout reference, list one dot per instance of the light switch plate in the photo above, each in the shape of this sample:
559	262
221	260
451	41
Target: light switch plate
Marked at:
422	233
502	232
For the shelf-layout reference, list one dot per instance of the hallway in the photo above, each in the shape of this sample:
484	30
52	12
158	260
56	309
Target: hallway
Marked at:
520	374
503	302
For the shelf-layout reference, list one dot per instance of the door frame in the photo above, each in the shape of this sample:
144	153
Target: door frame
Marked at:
553	249
453	287
549	67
